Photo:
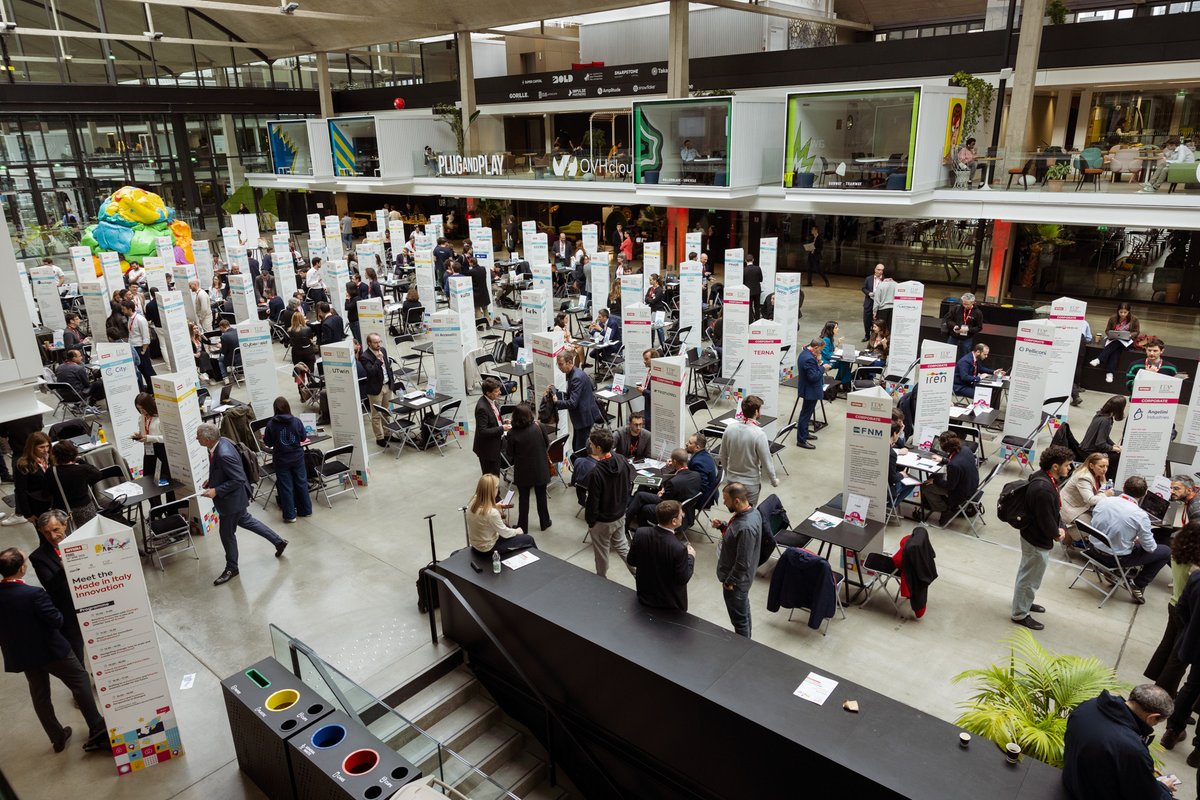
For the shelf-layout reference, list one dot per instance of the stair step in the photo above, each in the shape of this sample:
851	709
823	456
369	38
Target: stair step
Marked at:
447	693
493	748
464	724
520	774
544	791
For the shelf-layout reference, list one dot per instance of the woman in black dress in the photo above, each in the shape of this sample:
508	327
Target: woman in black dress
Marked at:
527	446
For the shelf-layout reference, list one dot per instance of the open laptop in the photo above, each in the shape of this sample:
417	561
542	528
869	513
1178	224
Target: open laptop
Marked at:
694	354
1157	507
1120	336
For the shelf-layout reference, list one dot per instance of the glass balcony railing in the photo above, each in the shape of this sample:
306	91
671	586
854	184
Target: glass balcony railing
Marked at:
579	166
1125	169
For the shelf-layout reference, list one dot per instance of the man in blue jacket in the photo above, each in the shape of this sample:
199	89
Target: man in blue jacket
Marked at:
969	368
701	462
811	387
32	642
608	326
230	492
579	401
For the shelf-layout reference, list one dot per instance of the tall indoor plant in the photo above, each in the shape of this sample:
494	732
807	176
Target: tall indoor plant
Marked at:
980	96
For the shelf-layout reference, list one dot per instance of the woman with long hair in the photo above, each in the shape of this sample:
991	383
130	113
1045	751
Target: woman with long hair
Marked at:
1098	438
1123	321
149	433
1083	490
829	335
301	339
485	526
284	434
204	361
75	478
527	444
34	485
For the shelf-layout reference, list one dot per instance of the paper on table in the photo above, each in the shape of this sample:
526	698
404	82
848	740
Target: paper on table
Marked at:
729	421
521	559
926	464
823	522
413	395
816	688
128	489
605	393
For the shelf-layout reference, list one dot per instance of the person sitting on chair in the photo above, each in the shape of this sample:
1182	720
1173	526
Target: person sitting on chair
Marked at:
1127	526
948	491
969	368
683	485
633	441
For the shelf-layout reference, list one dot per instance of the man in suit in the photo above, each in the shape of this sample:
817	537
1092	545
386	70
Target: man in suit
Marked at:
229	348
633	441
701	462
274	304
814	256
230	492
962	323
609	328
378	383
664	564
811	388
441	253
868	290
481	284
683	485
151	310
32	642
752	278
331	329
617	237
76	375
561	252
579	401
947	491
969	368
489	428
47	563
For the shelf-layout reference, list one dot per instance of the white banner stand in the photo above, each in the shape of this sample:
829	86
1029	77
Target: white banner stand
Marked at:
735	329
82	264
179	416
787	310
546	347
485	256
868	438
528	229
691	302
27	290
651	262
768	257
935	378
396	234
636	324
345	406
543	278
436	226
598	282
692	241
258	365
735	267
110	268
1027	385
95	303
336	275
590	238
1149	421
49	303
631	291
164	247
178	343
537	251
241	294
668	405
761	372
462	301
904	344
535	311
423	261
1190	432
284	271
115	361
448	354
103	569
1068	317
202	268
371	319
239	257
156	273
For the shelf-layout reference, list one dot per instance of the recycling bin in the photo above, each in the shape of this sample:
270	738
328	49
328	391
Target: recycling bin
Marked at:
338	758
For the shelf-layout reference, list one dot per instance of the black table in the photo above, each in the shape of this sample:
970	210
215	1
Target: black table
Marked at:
622	400
850	538
518	371
763	419
151	489
697	384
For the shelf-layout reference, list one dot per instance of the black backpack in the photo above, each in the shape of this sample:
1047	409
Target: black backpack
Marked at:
249	463
1012	506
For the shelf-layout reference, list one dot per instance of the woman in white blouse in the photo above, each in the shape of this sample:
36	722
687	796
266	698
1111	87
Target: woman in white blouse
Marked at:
485	526
1083	490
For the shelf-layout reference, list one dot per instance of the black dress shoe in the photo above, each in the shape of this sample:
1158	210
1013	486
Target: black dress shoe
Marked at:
97	743
1193	759
812	437
225	577
806	446
1171	738
1029	622
1036	609
279	548
381	442
61	744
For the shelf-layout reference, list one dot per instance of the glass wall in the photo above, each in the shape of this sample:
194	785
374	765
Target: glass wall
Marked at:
682	142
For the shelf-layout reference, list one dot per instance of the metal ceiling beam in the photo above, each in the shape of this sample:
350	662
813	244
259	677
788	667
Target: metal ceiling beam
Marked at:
251	8
770	11
528	34
124	37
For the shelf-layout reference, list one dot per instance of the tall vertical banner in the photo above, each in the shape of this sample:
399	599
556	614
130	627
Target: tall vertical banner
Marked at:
202	253
692	241
371	319
230	238
590	235
115	361
448	354
735	267
599	282
787	307
535	311
1148	425
632	291
528	230
95	303
381	220
538	251
178	343
179	415
45	292
1068	316
164	247
668	405
462	301
241	294
258	365
204	318
546	347
543	277
27	290
156	272
868	438
636	323
906	327
651	262
336	275
423	260
735	328
761	373
436	226
345	405
473	224
110	268
396	233
284	270
333	246
1027	386
935	377
691	302
1190	432
768	257
239	257
108	588
81	262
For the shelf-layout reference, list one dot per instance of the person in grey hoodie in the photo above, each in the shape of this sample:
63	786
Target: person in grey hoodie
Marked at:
737	555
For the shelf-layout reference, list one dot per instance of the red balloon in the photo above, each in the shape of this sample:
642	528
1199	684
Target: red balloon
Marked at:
398	103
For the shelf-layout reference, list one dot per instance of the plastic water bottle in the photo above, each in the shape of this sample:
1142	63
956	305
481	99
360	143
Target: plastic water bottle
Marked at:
495	562
103	437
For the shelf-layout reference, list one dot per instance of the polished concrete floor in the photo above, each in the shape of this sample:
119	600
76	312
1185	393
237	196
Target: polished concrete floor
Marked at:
345	587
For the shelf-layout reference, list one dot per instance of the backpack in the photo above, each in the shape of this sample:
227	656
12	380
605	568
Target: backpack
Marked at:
249	462
1012	506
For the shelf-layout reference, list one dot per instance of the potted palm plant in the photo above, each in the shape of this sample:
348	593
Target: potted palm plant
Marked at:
1027	698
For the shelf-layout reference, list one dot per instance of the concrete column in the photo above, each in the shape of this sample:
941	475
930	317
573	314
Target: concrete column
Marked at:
548	131
1062	112
1028	47
237	172
324	85
466	88
677	49
1083	120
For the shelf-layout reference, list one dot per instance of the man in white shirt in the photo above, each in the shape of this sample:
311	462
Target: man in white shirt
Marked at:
314	282
746	451
1127	526
139	341
201	305
1174	152
687	152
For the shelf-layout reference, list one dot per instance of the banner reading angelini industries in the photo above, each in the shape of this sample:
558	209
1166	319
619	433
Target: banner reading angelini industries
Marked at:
104	572
1148	425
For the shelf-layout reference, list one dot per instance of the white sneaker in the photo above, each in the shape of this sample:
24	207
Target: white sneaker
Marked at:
1108	377
1148	188
13	520
1095	362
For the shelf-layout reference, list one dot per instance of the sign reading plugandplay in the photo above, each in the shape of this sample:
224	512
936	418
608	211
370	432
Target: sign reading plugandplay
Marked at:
691	299
787	307
631	290
110	268
371	319
1027	386
635	333
104	571
668	405
115	361
768	255
241	294
254	339
345	405
45	292
735	267
1148	424
762	368
735	328
868	438
935	378
1068	316
906	327
590	235
546	347
95	303
448	354
179	415
423	262
462	301
535	310
178	344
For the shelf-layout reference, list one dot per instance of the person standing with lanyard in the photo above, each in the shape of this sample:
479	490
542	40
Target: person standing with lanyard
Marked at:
1041	529
738	554
868	289
155	450
814	248
139	341
489	428
962	323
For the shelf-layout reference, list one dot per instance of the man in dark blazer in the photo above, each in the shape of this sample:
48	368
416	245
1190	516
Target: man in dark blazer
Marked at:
970	368
633	441
229	347
811	387
579	401
32	643
664	564
609	328
683	485
47	563
331	329
230	492
962	323
561	251
489	428
868	290
814	256
752	278
378	383
480	288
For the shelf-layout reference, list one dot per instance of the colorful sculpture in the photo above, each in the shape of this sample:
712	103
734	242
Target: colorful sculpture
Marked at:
129	222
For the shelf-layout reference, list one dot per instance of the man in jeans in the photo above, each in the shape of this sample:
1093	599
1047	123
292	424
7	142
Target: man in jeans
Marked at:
609	487
737	555
1127	526
1041	530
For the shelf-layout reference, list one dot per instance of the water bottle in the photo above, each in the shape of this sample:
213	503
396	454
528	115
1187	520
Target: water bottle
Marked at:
495	562
103	438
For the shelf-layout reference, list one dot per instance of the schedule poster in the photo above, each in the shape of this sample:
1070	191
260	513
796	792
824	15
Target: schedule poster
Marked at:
868	439
110	268
120	388
175	331
165	248
591	239
462	300
768	255
448	354
1068	316
45	292
258	364
241	292
538	251
423	260
436	227
546	374
735	267
691	300
371	319
1027	385
543	277
787	307
736	328
906	327
635	334
631	291
156	272
345	405
95	303
336	275
936	381
104	571
762	365
1148	424
651	262
528	230
598	282
535	310
668	405
179	415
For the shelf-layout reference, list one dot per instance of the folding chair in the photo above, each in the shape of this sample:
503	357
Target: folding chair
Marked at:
1014	445
699	405
69	399
442	426
1109	577
706	504
556	454
779	444
414	320
332	469
398	427
727	383
838	580
168	527
405	360
884	571
974	504
867	377
266	466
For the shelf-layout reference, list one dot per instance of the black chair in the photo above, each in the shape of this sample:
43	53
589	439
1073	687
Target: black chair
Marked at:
438	428
1110	573
406	360
414	320
69	399
331	470
169	530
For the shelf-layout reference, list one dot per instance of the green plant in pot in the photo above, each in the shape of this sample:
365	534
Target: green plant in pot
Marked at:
1056	11
1058	171
1027	697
